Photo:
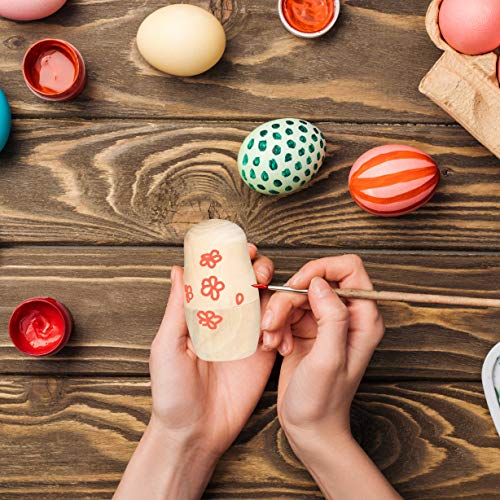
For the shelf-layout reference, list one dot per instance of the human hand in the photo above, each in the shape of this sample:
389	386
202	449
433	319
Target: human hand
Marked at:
199	407
202	402
327	346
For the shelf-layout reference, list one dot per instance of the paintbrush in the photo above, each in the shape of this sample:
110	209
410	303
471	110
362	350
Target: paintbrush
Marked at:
423	298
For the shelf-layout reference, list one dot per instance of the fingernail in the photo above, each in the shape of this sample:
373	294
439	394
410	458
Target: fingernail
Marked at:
264	273
283	348
320	287
294	280
267	320
267	339
173	274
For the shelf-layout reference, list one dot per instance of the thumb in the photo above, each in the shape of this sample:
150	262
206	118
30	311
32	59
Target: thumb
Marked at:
329	349
173	330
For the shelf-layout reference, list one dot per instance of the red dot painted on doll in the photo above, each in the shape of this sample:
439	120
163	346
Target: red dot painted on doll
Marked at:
239	298
212	287
208	319
210	259
393	180
188	290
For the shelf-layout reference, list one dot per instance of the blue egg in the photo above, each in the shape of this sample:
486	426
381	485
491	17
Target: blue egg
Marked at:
5	120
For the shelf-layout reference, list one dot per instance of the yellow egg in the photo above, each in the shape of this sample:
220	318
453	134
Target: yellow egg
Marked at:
181	39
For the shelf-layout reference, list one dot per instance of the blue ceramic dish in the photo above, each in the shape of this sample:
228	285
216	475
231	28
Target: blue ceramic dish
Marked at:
5	120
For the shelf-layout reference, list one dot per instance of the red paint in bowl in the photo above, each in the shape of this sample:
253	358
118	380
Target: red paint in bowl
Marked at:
308	18
40	326
54	70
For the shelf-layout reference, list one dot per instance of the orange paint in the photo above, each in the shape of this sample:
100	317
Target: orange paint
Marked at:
308	16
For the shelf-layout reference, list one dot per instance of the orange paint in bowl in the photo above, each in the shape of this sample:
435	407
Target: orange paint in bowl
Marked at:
308	18
40	326
54	70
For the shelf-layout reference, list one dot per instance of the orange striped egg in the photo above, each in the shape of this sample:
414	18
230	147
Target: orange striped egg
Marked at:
393	180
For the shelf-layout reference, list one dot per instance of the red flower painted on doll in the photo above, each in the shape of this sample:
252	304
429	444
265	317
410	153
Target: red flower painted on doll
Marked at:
239	298
209	319
210	259
188	289
212	287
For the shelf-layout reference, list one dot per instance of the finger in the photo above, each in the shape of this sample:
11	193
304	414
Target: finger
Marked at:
366	323
297	315
348	271
286	346
173	331
264	269
272	340
279	309
264	299
332	316
252	250
306	328
190	348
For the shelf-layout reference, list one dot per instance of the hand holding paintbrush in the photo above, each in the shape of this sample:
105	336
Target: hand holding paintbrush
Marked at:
326	346
422	298
329	268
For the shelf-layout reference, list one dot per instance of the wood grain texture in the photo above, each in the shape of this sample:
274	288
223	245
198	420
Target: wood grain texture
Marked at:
140	156
366	69
104	182
117	297
72	438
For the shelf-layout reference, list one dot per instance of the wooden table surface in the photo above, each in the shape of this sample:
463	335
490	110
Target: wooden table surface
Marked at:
96	195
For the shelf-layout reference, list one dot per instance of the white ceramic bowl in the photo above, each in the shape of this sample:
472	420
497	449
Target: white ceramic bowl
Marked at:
315	34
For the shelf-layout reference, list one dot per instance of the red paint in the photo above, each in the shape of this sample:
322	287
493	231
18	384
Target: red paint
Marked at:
210	259
54	70
260	287
40	326
208	319
308	16
211	287
239	298
188	289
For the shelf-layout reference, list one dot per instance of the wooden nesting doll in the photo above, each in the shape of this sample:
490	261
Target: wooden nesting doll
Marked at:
222	308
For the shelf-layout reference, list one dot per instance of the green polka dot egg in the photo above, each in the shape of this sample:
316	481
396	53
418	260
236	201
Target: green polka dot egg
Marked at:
281	156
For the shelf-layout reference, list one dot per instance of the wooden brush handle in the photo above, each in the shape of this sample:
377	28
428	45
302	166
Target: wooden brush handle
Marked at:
422	298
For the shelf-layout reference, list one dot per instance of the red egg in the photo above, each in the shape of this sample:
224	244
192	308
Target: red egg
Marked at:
393	180
470	26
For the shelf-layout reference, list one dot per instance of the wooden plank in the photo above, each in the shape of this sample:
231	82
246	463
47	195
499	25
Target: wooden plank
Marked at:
117	297
365	70
124	182
72	438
